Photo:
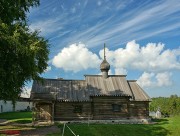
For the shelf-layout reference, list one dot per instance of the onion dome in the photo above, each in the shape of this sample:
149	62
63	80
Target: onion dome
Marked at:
104	65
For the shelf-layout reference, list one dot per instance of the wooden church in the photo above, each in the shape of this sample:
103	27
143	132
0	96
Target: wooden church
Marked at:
98	97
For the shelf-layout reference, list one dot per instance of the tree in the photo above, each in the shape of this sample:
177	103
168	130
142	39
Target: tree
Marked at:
23	53
168	105
15	10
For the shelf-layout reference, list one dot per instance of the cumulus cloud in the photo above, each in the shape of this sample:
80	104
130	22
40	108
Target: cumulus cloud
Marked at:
146	79
75	58
155	80
164	79
120	71
151	58
26	92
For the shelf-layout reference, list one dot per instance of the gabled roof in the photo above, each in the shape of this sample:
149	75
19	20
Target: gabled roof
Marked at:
60	89
113	85
138	93
81	90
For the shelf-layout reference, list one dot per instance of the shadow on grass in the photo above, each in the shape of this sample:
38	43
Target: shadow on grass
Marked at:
117	129
154	130
161	121
22	121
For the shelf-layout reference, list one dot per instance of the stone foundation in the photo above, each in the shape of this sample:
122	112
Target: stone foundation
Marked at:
123	121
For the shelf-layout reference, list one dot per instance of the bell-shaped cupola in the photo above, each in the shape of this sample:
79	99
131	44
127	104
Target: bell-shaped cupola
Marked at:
104	67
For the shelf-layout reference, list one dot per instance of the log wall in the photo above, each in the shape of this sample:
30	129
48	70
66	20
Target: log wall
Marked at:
139	109
103	109
65	111
99	108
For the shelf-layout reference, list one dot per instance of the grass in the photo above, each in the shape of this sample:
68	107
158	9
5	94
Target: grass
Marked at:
17	117
115	130
163	127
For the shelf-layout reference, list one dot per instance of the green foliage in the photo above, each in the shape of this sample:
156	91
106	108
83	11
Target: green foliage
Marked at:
13	10
168	105
24	56
23	53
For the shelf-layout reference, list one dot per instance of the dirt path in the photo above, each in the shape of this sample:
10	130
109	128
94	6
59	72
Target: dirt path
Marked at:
40	131
2	121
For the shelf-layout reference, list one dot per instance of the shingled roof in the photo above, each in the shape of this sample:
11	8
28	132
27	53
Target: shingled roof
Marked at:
81	90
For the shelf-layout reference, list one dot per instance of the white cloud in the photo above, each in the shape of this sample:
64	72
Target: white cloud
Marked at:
26	92
148	20
48	69
75	58
138	20
46	26
146	79
120	71
153	60
155	80
163	79
150	58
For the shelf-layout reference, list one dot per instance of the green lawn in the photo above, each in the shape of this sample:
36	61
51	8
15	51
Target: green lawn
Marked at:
18	117
15	117
164	127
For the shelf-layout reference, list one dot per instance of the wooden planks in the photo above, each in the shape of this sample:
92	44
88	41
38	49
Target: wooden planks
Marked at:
65	110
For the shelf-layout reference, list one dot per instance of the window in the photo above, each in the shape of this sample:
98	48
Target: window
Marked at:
116	107
77	109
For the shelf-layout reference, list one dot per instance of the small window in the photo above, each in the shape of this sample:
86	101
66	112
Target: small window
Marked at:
77	109
116	107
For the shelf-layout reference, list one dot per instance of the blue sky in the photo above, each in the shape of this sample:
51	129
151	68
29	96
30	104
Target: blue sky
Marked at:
142	38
